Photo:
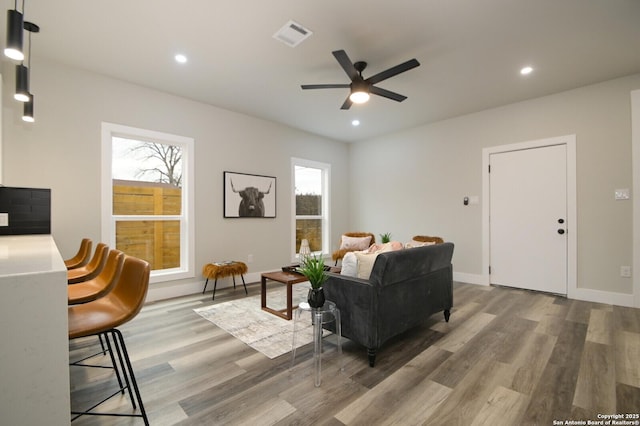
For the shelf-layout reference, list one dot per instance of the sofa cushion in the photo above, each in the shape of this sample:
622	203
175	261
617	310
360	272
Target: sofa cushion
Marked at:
355	243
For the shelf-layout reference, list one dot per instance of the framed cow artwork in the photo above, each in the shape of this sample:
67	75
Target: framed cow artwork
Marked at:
247	195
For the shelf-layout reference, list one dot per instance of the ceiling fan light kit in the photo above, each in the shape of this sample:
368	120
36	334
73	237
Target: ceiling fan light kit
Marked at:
362	88
359	97
359	92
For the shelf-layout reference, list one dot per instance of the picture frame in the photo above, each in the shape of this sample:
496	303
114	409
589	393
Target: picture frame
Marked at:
249	195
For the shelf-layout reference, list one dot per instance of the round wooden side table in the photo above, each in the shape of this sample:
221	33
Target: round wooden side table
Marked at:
224	269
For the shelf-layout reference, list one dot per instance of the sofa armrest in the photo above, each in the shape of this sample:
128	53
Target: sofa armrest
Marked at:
357	300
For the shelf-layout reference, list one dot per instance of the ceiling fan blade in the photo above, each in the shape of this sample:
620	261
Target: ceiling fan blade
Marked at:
346	64
347	103
387	94
405	66
325	86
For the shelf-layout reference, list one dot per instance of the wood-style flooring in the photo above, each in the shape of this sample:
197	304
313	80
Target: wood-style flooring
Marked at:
507	357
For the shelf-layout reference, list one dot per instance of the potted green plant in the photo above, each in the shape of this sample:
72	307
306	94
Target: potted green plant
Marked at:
386	237
312	267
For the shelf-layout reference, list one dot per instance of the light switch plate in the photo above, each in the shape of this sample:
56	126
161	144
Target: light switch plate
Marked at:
622	194
4	219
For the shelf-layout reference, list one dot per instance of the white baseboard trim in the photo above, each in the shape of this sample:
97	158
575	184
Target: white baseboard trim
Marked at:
464	277
585	294
158	292
599	296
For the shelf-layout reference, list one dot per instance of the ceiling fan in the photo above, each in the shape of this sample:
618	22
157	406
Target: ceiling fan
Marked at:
360	87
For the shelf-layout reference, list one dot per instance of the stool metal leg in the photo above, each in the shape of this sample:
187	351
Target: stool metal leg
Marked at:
143	413
317	344
129	378
205	286
215	284
296	320
244	284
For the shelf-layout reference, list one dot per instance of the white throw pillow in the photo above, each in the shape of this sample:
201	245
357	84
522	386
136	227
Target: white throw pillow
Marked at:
349	265
355	243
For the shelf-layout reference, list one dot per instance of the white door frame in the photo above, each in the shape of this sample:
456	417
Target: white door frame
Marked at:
635	149
572	240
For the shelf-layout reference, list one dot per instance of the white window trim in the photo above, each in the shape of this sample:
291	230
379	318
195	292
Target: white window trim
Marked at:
187	236
326	201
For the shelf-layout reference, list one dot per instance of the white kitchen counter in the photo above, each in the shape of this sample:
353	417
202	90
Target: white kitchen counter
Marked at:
34	336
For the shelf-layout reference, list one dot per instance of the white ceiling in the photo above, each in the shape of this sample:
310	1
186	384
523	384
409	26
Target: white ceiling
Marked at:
470	52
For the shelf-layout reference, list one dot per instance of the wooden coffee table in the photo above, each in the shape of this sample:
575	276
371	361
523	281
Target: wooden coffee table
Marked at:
286	278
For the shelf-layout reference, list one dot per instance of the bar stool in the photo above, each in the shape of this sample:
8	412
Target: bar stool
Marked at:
99	286
329	312
102	316
82	256
91	269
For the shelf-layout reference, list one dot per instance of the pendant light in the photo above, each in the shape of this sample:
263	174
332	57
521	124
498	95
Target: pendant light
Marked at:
27	114
22	83
14	33
24	79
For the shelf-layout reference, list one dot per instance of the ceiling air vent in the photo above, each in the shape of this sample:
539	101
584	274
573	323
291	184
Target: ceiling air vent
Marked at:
292	34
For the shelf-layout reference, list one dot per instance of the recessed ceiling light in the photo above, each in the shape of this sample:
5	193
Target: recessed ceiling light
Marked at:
355	123
526	70
180	58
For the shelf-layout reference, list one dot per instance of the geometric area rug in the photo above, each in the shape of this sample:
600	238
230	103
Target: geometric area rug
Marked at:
244	319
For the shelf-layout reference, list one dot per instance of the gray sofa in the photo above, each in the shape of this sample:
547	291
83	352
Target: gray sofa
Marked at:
405	288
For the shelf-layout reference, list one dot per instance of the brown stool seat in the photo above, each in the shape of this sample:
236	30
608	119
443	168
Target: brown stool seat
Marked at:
91	269
82	257
119	306
102	316
99	286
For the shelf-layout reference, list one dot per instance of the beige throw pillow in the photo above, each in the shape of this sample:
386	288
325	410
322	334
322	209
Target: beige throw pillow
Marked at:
365	264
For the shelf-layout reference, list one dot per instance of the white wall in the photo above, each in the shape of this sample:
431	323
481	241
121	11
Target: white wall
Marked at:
61	151
413	182
407	183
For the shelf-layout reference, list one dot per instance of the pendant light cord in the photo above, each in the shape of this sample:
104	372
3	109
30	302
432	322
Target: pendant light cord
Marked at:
29	58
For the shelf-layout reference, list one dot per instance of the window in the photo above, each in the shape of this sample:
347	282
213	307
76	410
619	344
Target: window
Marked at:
147	199
310	203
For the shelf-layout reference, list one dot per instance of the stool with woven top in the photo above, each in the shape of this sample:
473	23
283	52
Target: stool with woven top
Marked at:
224	269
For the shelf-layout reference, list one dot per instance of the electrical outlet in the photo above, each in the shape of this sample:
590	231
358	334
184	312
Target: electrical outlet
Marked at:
622	194
625	271
250	258
4	219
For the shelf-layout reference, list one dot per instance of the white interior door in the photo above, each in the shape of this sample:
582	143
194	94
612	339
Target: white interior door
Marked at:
528	218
